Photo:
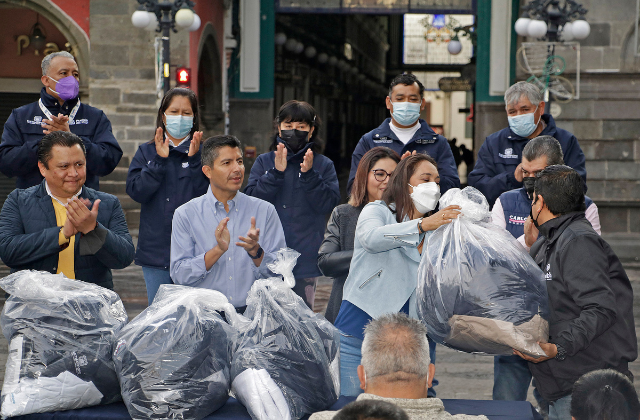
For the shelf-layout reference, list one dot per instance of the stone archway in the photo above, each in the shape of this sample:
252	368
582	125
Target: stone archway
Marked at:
69	28
630	59
209	87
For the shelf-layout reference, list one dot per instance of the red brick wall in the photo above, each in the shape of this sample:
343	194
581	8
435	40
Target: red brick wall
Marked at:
19	21
78	10
209	11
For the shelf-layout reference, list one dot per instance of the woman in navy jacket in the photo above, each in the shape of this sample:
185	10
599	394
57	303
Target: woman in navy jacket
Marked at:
302	185
166	173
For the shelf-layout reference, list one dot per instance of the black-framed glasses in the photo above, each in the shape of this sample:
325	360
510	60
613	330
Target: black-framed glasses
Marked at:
380	174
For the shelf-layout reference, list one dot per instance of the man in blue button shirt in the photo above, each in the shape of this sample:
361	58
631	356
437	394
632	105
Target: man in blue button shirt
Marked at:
202	251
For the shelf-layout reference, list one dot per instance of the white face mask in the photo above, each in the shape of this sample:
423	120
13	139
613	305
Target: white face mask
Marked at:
425	196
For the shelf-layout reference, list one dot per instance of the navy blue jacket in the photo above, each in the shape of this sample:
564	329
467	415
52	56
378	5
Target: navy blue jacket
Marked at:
516	206
501	154
29	236
424	141
162	185
23	132
302	201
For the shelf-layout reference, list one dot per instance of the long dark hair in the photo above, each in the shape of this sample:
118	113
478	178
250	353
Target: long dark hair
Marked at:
397	191
604	395
299	111
359	196
166	101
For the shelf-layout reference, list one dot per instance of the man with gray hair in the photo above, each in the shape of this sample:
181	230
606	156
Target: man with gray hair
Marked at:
511	375
498	167
395	368
58	109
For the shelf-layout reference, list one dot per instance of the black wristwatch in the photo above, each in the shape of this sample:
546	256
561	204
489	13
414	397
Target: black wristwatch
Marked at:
562	353
258	254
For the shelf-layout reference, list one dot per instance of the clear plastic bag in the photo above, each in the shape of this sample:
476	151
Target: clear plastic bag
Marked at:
479	291
61	333
173	359
286	363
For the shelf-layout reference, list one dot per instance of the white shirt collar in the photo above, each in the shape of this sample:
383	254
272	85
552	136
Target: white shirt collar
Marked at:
46	186
182	141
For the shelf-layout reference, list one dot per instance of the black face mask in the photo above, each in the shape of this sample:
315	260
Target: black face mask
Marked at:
529	184
294	139
535	221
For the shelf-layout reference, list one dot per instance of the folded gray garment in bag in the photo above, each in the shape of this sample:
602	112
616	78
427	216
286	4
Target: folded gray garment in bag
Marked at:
491	336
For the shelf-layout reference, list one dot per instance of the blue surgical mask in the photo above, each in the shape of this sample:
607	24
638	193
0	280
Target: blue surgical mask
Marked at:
524	125
178	125
406	113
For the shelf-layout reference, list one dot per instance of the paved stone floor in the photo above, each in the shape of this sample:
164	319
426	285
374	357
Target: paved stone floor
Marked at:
461	375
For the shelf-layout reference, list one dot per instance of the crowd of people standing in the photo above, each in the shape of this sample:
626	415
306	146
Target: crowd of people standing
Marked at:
198	228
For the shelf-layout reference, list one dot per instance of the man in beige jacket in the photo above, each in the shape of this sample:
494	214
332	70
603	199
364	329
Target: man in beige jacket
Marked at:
395	368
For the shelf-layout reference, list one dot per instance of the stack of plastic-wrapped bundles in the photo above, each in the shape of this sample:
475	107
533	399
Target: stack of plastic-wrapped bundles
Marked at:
478	289
61	333
70	348
173	359
286	363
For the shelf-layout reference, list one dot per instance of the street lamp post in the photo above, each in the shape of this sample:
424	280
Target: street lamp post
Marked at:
166	14
553	21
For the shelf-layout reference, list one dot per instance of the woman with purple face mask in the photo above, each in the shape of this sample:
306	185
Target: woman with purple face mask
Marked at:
301	184
164	174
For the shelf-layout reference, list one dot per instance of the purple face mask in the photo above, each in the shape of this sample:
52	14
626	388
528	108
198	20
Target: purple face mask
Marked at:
68	87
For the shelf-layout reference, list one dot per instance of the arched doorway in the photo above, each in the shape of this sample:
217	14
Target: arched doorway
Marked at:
20	76
76	37
210	83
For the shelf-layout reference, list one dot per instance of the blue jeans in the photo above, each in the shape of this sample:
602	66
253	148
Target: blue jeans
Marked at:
153	278
511	379
560	409
350	358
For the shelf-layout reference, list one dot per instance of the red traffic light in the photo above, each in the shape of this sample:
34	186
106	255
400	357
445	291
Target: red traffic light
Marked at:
183	76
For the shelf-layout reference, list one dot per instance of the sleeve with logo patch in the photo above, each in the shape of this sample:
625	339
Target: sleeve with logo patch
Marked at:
585	273
145	176
264	183
17	157
103	151
361	148
447	167
486	180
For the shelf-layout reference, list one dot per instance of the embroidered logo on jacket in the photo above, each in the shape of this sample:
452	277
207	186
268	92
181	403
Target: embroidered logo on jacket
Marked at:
508	154
426	141
37	120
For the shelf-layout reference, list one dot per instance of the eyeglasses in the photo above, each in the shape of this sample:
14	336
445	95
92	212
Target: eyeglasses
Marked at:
380	174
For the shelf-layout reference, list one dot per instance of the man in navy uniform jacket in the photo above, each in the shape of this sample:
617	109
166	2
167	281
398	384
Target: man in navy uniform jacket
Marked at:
405	133
498	168
58	109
